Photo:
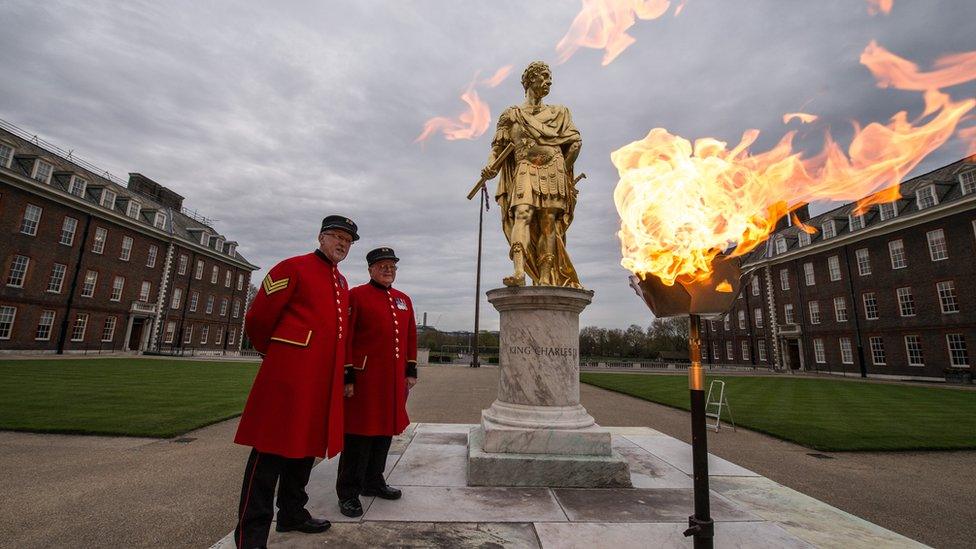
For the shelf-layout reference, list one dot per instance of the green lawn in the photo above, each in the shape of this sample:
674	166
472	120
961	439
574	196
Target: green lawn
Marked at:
826	414
120	396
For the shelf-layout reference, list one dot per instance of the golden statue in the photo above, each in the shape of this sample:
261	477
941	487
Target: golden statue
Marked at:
534	149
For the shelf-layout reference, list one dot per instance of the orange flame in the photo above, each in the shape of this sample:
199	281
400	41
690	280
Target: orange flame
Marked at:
680	7
603	24
801	116
472	123
893	71
801	225
883	6
681	204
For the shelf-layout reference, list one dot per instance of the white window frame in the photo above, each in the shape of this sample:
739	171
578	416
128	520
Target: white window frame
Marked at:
46	320
159	220
204	239
819	353
726	322
803	238
846	351
128	209
745	350
81	320
204	334
57	275
906	302
228	278
108	329
814	308
788	315
36	171
181	269
17	277
240	281
758	317
29	223
870	301
922	196
117	288
79	184
863	256
177	298
780	245
170	332
231	337
876	345
98	241
105	201
90	283
742	319
237	308
224	303
6	155
219	335
896	252
194	301
188	334
888	210
840	313
151	256
8	317
833	268
967	182
145	291
938	247
946	290
784	279
126	252
214	274
855	222
809	277
957	343
68	229
198	273
729	353
761	349
828	229
210	304
913	350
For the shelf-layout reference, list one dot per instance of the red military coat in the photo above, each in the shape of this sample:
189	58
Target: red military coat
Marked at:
299	321
383	345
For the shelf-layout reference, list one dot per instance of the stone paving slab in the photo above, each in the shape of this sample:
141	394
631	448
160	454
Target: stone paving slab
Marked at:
678	454
469	504
641	505
805	517
587	535
439	510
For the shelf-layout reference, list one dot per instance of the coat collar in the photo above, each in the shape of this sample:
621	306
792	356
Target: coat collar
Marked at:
323	257
379	286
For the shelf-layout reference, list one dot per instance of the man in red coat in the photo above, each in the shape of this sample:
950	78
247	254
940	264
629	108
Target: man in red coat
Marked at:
384	358
299	323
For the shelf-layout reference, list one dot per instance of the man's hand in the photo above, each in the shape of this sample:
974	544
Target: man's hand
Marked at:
349	390
487	173
411	381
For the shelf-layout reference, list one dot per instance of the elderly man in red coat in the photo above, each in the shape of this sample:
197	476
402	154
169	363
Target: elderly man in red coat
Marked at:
384	358
299	322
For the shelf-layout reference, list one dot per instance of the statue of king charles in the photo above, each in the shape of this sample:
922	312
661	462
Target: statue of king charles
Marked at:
536	191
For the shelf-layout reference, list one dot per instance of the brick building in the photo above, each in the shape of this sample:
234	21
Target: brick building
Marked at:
91	263
889	292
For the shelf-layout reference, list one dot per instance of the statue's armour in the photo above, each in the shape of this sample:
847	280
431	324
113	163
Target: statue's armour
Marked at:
540	178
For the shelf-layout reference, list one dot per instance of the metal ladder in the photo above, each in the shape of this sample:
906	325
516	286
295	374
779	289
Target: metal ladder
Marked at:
722	402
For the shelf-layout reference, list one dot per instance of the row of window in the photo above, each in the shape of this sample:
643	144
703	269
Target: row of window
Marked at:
925	197
946	291
177	301
204	334
955	347
32	218
183	261
20	264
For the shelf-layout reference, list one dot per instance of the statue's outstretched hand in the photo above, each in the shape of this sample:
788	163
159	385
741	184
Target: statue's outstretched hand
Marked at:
488	173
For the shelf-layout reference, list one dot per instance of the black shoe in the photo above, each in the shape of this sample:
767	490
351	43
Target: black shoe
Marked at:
310	526
384	492
351	507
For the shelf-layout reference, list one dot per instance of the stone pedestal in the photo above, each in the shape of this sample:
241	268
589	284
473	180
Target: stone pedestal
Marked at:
536	433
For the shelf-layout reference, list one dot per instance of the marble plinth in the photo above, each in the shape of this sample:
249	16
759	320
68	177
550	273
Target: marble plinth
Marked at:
550	470
537	433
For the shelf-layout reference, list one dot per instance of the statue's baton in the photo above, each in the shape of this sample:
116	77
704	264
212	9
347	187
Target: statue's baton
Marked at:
494	166
579	177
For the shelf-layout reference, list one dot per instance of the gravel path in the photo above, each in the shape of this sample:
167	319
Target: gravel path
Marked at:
74	491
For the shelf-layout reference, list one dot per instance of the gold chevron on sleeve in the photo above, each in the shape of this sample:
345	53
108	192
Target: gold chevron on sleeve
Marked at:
271	285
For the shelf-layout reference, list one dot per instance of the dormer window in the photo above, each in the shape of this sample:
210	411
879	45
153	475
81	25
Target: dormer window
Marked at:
77	186
204	239
803	238
133	209
231	249
160	220
42	171
219	246
780	245
829	229
925	197
967	180
888	210
6	155
856	222
108	199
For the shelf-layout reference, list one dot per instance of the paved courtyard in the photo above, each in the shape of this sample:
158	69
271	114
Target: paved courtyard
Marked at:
438	509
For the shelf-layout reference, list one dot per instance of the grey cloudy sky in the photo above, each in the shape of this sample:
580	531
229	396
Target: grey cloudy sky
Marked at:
270	115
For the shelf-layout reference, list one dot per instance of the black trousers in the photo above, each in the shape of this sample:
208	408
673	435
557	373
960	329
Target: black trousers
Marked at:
361	464
256	509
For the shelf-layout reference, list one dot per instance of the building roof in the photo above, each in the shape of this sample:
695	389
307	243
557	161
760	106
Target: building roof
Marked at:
186	225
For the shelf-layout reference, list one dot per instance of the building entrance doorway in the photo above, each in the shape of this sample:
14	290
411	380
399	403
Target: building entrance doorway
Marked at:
793	354
135	335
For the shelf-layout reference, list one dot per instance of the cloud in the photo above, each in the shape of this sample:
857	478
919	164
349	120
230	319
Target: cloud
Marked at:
268	117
